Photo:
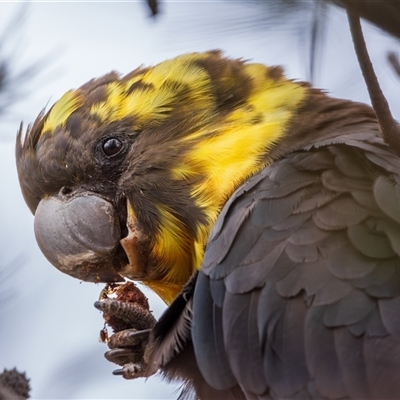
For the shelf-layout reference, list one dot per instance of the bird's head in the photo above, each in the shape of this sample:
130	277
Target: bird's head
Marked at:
127	175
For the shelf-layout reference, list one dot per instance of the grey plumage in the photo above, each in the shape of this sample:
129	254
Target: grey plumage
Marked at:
304	291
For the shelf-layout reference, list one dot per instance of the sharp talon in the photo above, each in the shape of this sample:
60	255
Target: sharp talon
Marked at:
97	304
118	372
139	334
119	352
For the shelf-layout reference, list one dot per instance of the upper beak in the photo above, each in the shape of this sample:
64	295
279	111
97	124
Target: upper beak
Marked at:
80	236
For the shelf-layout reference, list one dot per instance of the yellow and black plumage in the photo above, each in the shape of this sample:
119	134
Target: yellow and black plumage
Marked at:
298	288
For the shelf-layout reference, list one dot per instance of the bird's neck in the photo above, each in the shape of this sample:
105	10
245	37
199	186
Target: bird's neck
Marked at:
278	117
220	158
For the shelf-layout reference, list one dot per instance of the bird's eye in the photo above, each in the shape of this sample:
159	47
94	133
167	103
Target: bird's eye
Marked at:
112	146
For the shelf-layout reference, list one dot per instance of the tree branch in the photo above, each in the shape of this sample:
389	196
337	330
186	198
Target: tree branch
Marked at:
390	129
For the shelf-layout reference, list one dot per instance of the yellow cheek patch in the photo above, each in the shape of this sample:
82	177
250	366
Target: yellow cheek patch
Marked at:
173	247
61	110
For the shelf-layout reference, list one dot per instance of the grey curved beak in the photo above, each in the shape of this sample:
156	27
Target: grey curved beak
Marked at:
79	236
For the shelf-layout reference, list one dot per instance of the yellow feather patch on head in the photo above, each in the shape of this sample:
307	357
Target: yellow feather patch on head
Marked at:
149	106
159	90
62	110
181	69
112	108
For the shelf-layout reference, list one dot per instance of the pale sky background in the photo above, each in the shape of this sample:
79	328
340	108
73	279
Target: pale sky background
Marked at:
48	326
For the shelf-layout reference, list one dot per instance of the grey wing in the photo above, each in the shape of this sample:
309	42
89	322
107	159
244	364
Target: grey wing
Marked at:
299	292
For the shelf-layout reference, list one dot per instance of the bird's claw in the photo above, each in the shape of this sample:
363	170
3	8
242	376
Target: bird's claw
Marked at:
128	338
132	323
124	356
127	349
132	371
127	346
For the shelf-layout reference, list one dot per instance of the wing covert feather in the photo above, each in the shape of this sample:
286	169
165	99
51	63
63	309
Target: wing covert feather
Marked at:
304	265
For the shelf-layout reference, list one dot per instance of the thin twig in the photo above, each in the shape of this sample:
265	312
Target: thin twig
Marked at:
390	129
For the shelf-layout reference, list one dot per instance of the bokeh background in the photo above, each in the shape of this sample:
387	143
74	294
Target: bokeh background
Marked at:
48	325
